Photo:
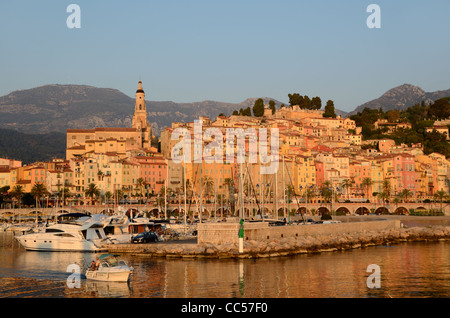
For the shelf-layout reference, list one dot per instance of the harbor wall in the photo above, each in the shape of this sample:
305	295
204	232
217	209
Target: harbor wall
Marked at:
225	233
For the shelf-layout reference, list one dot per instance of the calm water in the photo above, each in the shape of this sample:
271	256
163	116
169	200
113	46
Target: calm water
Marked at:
407	270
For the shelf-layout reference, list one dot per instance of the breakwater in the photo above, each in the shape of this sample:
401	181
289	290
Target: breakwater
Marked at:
319	242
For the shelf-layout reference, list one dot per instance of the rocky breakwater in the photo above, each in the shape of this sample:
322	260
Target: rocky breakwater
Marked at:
298	245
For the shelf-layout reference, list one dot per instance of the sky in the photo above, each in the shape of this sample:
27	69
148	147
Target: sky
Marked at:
228	50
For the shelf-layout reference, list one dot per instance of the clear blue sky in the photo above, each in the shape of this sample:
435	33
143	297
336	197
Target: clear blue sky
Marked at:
194	50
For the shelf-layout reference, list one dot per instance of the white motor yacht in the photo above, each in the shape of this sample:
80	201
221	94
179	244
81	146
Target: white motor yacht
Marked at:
86	237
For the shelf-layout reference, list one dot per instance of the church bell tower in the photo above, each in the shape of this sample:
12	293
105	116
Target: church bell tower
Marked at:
140	118
140	110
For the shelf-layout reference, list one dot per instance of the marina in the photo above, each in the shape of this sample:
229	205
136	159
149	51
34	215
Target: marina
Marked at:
415	269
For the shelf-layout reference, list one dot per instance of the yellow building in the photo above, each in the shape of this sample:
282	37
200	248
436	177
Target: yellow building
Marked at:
304	172
5	177
113	140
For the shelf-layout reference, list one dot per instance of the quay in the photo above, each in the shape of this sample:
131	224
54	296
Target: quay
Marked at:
220	240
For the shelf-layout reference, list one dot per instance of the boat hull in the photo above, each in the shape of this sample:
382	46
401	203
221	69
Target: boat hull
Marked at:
54	245
109	276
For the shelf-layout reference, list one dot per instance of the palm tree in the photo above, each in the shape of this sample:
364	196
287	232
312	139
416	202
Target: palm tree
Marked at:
38	191
441	196
346	184
17	193
208	182
383	196
91	192
108	196
387	189
367	183
405	194
140	183
64	194
229	184
396	201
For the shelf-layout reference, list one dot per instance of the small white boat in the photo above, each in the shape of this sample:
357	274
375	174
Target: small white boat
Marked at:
110	270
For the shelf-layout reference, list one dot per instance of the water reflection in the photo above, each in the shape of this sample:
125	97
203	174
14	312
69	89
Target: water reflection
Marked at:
407	270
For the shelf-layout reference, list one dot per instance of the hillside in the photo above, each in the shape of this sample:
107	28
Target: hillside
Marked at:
31	147
402	97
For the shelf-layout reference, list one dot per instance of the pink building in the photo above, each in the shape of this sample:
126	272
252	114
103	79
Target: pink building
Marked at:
320	173
404	171
359	170
153	170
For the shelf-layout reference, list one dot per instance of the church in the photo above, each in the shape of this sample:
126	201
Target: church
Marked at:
119	141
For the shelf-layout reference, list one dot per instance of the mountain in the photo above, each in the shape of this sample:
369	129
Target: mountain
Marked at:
402	97
56	108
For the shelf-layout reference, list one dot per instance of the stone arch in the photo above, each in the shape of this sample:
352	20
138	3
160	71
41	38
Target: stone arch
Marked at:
362	210
34	212
302	210
220	212
382	210
323	210
175	211
282	211
342	211
154	212
401	210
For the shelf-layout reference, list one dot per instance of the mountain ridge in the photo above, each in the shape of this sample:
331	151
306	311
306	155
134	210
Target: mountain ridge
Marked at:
57	107
401	97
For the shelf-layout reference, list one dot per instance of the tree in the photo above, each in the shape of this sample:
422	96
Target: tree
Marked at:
272	106
405	194
316	103
235	113
367	183
258	108
440	109
208	182
295	99
17	192
346	184
38	191
306	104
91	192
140	184
393	116
386	189
108	196
229	184
329	110
441	196
247	112
63	194
326	191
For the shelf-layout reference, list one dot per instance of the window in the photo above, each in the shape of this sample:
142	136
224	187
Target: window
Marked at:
64	235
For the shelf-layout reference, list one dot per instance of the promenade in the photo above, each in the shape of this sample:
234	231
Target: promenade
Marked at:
336	208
